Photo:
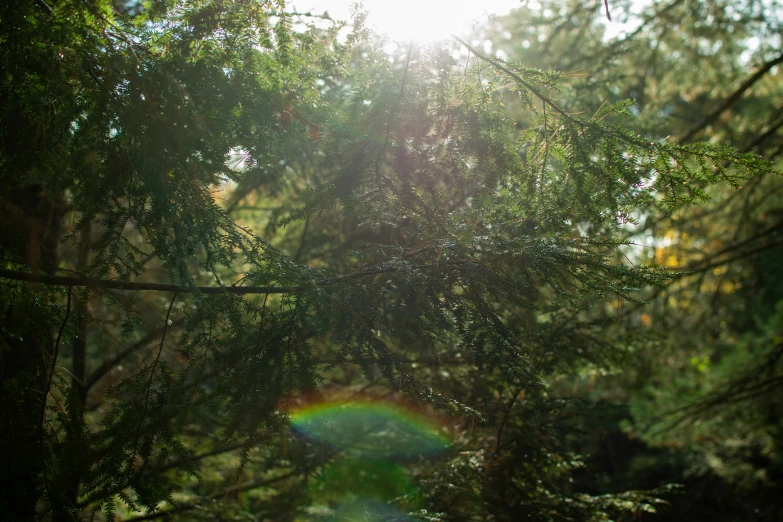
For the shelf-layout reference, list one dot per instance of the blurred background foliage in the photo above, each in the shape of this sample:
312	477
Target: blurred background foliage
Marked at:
697	396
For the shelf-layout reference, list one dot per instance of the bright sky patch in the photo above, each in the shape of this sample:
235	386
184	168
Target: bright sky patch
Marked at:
418	20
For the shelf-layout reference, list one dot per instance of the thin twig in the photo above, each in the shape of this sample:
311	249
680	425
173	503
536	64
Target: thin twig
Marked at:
152	372
300	250
46	6
546	151
731	100
107	365
541	96
391	114
498	444
245	487
48	389
126	285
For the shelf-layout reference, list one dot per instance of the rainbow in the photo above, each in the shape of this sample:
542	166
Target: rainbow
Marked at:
370	428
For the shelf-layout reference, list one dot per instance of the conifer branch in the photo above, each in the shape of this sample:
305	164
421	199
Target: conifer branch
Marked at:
90	282
494	63
229	491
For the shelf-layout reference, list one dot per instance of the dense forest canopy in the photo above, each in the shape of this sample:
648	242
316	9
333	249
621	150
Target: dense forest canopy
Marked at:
261	264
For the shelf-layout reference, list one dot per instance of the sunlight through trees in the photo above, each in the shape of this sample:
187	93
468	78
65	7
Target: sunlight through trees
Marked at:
262	264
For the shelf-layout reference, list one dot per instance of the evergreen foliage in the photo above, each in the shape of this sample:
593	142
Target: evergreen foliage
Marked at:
320	214
693	398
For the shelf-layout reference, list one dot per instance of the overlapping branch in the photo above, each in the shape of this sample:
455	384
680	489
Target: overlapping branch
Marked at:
90	282
731	100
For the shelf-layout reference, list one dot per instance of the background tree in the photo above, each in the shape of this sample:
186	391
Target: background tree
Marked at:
702	390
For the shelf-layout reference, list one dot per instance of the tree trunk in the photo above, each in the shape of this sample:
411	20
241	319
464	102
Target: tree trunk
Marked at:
26	349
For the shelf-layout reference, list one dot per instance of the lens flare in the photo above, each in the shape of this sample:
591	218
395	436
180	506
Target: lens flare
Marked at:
351	481
370	429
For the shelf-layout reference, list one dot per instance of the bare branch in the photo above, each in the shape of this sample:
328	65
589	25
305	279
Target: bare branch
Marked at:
154	365
126	285
731	100
48	388
108	364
